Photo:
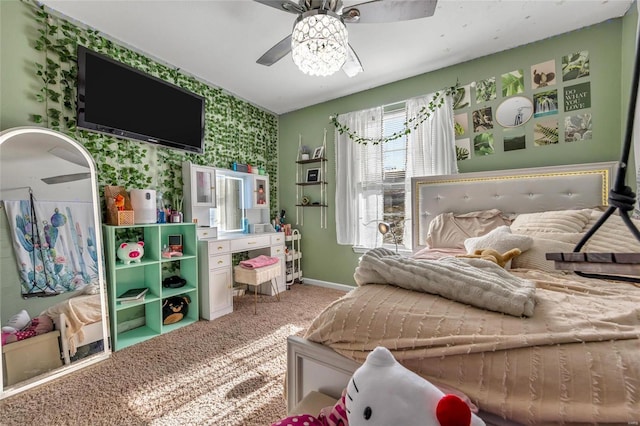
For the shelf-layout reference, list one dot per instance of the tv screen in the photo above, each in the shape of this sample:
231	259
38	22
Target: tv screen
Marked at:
119	100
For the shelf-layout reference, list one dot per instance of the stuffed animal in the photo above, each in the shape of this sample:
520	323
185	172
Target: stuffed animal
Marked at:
119	202
130	252
382	392
493	255
174	308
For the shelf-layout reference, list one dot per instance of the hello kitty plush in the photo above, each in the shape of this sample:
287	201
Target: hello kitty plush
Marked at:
382	392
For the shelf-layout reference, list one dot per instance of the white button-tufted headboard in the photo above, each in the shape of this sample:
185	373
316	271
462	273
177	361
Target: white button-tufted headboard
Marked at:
511	191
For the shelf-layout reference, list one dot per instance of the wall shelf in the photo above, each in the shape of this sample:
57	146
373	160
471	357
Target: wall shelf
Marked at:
302	168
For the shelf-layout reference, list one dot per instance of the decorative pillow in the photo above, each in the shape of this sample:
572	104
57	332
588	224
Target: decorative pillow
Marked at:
535	257
500	239
571	221
612	237
449	230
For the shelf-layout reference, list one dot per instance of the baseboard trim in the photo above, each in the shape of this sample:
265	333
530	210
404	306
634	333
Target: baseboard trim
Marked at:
327	284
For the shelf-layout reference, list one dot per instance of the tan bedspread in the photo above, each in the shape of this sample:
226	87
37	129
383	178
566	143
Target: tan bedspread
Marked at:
80	311
576	360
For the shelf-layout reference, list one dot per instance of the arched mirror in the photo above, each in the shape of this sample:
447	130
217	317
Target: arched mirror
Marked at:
514	112
52	296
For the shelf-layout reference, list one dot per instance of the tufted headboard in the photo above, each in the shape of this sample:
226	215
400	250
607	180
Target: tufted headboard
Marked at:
511	191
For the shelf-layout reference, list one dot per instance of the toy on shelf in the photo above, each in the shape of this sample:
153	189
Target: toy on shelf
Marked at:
130	252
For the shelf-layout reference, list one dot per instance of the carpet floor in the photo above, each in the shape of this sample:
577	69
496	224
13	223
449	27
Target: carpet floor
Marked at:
229	371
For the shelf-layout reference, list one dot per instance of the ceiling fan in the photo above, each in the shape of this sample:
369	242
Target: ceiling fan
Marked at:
72	157
319	43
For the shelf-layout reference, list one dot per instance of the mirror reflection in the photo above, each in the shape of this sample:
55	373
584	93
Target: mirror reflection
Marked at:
51	296
230	202
514	112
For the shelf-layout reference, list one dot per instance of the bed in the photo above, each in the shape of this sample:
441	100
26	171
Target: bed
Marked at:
572	360
79	320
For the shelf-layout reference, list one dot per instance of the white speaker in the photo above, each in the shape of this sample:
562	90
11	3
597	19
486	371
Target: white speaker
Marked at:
143	202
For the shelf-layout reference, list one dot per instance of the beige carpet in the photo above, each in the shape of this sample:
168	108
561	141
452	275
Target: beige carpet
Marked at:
229	371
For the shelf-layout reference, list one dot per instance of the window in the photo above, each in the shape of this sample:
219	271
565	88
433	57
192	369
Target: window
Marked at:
373	181
394	168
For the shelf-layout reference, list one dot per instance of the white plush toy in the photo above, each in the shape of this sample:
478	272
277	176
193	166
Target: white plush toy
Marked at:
382	392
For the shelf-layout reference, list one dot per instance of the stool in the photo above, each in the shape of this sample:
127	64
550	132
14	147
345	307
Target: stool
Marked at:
255	277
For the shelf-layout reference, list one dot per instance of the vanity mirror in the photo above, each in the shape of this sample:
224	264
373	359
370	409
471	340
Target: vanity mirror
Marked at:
514	112
52	272
230	201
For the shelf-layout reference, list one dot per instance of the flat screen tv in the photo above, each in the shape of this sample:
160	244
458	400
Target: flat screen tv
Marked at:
116	99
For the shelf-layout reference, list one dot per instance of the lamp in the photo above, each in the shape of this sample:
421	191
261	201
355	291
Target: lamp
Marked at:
385	228
319	42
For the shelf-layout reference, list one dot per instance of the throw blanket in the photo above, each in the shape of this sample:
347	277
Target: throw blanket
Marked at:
477	282
258	262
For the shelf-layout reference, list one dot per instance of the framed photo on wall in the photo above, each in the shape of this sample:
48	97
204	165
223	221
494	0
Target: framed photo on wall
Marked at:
313	175
318	152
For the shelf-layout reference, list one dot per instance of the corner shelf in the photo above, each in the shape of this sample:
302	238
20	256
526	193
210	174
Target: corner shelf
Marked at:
146	314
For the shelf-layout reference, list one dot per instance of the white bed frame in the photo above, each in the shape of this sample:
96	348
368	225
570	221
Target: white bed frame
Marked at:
314	367
92	333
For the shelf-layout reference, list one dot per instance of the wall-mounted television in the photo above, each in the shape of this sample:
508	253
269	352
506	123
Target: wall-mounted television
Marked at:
116	99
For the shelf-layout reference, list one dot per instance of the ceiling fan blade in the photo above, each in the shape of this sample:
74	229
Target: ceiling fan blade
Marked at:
276	53
71	156
286	5
352	66
379	11
66	178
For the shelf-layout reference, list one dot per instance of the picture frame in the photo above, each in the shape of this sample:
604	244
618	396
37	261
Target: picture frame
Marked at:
313	175
318	153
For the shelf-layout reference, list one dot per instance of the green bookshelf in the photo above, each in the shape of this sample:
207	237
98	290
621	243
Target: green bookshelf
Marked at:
135	322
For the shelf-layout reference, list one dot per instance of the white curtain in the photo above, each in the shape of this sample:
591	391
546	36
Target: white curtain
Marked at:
359	170
357	197
432	146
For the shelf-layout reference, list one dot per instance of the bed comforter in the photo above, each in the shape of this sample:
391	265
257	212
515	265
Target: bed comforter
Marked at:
576	360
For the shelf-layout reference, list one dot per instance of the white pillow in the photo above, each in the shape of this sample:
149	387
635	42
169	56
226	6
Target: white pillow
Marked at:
613	236
500	239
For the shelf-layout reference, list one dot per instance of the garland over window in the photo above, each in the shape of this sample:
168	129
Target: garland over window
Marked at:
411	124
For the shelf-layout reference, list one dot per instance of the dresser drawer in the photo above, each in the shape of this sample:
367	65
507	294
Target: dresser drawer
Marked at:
205	233
250	243
221	261
277	250
277	239
218	247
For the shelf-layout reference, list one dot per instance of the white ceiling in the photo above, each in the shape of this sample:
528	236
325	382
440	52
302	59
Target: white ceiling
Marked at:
219	41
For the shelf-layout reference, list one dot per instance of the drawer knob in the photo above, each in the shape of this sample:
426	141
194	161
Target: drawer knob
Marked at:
220	262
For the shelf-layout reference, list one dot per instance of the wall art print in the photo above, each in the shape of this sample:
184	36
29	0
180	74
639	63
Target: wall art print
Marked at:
485	90
463	149
462	97
545	103
546	132
482	119
512	83
575	65
578	128
461	124
53	244
577	97
483	144
514	140
543	74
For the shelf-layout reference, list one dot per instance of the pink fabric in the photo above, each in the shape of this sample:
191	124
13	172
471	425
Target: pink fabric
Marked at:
335	415
258	262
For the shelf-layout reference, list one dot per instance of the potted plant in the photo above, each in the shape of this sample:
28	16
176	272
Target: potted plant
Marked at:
305	152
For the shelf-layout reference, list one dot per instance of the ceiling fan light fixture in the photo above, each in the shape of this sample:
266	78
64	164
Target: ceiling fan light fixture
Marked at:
319	42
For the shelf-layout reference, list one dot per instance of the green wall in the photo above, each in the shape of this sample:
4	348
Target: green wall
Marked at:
326	261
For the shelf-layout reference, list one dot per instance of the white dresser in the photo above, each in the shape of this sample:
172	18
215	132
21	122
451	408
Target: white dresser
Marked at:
215	268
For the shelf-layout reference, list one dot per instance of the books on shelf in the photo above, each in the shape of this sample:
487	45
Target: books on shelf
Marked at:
132	295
